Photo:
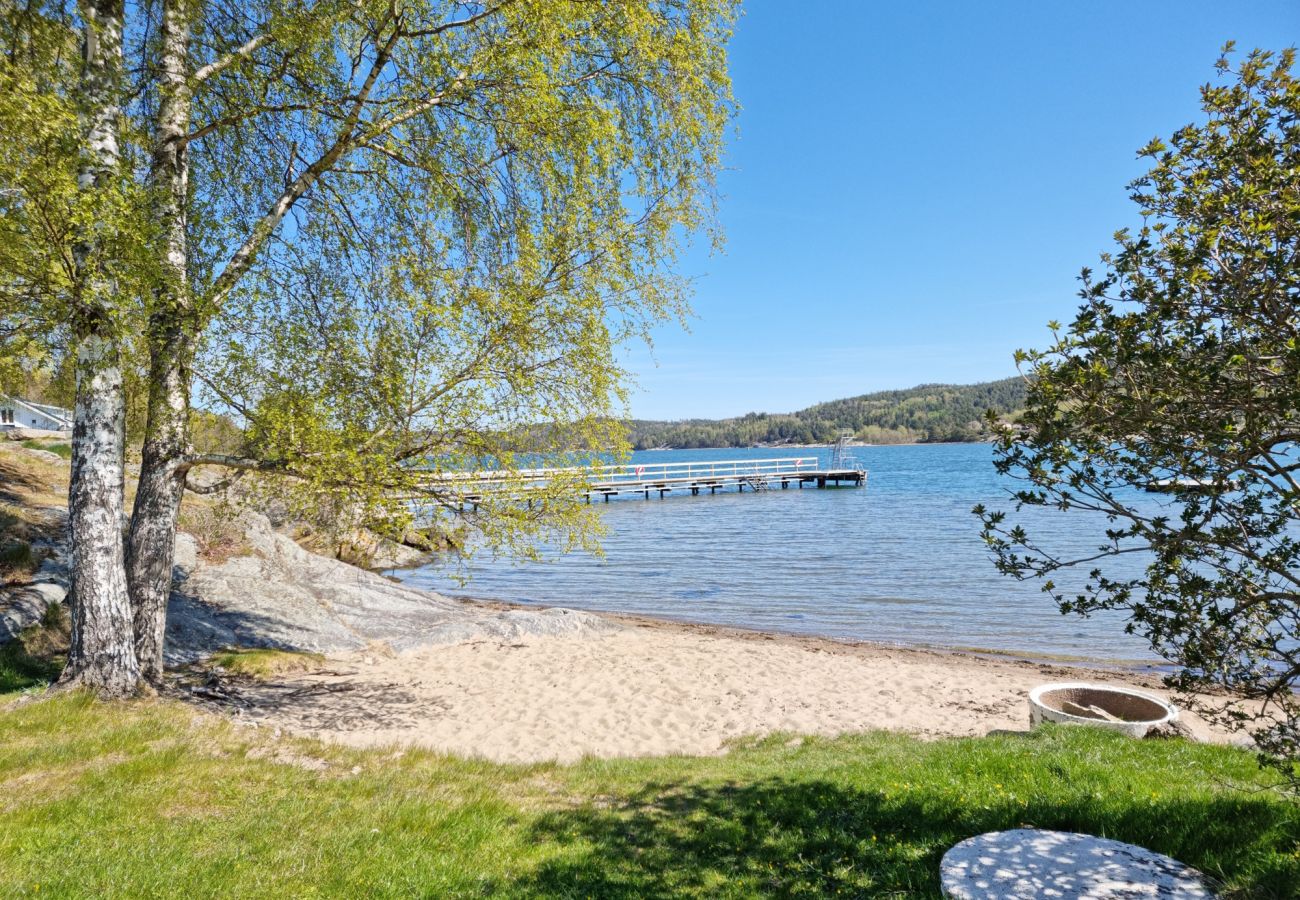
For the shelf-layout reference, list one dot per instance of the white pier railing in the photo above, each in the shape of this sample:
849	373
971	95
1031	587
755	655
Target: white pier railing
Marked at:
648	478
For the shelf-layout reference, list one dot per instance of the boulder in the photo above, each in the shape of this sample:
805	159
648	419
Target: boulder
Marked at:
22	606
43	455
1166	730
392	555
21	433
286	597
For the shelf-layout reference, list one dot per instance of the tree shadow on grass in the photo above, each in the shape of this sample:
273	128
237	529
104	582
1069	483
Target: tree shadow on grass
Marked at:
817	839
20	670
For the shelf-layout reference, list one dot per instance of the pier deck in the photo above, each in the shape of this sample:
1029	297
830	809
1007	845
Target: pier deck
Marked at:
655	478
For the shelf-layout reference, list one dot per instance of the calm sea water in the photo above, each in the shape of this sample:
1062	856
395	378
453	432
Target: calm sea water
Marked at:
899	561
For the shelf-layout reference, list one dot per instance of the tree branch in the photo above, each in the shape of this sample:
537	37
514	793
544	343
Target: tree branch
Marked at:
218	65
459	23
243	258
229	461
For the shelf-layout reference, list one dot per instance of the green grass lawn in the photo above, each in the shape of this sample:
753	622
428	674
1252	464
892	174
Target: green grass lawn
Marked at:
58	448
154	799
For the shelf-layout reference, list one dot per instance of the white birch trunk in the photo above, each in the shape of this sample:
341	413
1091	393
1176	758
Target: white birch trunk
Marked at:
102	654
172	333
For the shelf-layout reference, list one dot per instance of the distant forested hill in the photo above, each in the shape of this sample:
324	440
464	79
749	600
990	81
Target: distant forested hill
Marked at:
931	412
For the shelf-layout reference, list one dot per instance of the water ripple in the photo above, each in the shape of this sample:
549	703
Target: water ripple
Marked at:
898	562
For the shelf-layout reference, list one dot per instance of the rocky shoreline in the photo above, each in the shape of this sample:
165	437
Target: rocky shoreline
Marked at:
284	597
281	596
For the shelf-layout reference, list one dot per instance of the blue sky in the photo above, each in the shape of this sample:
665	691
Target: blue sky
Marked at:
913	187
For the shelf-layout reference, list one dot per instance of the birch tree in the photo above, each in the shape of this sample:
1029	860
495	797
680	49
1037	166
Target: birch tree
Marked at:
386	237
71	262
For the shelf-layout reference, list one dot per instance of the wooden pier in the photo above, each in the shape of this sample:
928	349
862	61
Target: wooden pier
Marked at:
646	479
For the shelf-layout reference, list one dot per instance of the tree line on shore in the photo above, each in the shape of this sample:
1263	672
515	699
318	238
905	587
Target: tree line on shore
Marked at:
929	413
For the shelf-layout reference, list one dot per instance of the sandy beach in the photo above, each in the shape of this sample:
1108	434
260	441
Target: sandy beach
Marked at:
656	688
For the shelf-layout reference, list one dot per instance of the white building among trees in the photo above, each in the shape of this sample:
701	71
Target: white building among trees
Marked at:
18	413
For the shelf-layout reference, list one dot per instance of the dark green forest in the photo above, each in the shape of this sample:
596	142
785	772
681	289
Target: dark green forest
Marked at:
929	413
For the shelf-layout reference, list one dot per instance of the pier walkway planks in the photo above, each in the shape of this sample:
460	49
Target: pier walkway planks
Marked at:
653	478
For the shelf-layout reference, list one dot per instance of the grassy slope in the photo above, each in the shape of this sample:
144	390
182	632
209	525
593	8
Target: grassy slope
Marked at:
153	799
28	487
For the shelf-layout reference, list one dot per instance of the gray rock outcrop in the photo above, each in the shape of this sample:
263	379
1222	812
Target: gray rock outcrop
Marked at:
23	605
22	433
286	597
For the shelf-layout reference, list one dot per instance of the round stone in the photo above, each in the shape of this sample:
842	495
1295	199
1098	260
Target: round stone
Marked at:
1029	863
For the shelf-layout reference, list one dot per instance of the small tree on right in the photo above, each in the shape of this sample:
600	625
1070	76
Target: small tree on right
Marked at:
1181	372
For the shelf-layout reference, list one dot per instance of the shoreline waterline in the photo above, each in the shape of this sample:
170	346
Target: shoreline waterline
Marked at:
622	685
1138	667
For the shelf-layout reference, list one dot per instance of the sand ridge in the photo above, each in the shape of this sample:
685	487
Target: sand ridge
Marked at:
653	689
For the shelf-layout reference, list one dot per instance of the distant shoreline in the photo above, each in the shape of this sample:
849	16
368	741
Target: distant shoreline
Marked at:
814	446
926	413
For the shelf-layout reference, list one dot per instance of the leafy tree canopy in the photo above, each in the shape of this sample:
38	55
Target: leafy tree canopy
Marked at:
410	227
1182	370
379	236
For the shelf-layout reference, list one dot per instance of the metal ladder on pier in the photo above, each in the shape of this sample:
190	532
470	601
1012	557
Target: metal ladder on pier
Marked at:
840	456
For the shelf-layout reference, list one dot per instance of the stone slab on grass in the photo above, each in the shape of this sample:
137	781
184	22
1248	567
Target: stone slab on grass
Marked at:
1028	864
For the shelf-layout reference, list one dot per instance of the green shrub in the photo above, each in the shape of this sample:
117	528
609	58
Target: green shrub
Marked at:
216	529
55	617
20	670
36	657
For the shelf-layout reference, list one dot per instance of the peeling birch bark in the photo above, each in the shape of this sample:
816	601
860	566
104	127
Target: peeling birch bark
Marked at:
102	653
151	546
